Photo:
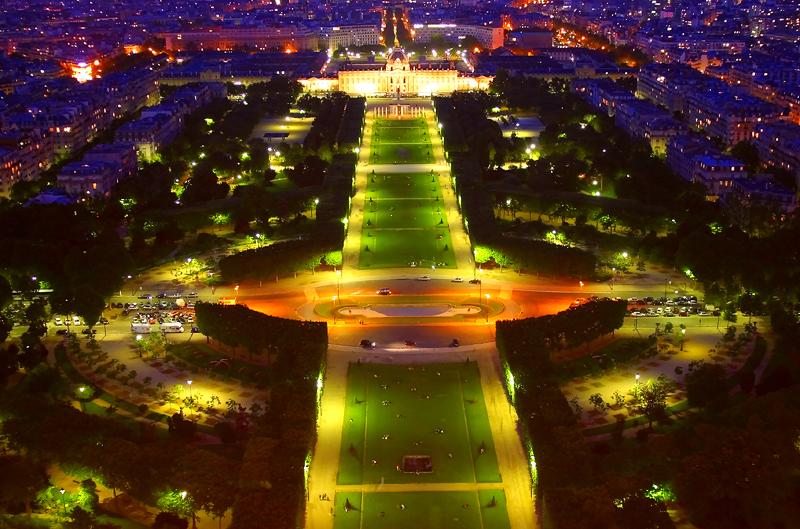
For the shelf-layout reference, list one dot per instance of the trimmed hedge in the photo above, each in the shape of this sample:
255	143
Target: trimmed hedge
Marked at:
571	495
272	481
277	260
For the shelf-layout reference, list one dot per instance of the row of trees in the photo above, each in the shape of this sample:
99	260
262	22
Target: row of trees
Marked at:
279	259
66	248
571	494
236	325
471	146
271	484
667	219
537	256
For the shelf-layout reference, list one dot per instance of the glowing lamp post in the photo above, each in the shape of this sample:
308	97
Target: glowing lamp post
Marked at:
488	297
63	500
189	383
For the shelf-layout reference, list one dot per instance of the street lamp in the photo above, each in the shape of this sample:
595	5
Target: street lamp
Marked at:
683	336
236	293
189	383
488	297
314	211
637	377
338	282
81	391
63	501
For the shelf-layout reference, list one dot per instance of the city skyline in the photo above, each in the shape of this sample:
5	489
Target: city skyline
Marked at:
472	264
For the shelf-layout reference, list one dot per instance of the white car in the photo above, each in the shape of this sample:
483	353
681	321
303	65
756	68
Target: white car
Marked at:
58	321
424	278
76	320
457	280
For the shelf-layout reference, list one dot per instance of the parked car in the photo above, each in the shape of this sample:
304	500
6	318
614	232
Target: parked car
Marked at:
146	296
474	281
424	278
89	331
76	320
384	292
455	343
457	280
367	344
58	321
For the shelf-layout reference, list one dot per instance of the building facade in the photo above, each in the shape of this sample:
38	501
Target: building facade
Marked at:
398	77
490	37
336	37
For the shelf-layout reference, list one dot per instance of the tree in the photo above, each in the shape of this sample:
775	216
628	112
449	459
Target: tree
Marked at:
597	401
175	502
20	481
33	352
89	305
168	520
81	519
120	464
9	362
5	328
209	480
650	399
204	186
747	153
91	500
706	384
153	345
5	292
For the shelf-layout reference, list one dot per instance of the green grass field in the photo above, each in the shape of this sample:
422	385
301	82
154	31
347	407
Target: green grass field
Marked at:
405	185
422	510
400	248
435	410
405	222
400	141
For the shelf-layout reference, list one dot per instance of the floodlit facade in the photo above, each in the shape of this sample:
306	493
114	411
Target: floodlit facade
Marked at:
398	77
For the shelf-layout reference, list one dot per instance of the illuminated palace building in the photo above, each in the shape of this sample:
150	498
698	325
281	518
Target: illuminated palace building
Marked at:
398	77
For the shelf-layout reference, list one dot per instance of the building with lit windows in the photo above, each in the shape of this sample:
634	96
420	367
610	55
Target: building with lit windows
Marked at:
489	37
398	77
778	146
336	37
233	38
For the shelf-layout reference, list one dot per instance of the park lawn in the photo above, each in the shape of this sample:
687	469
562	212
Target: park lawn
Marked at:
409	404
409	132
428	510
402	185
405	153
400	213
399	248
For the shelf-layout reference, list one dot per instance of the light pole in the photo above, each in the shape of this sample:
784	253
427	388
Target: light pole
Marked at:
488	297
683	336
236	293
338	282
314	210
81	391
63	501
666	282
189	383
637	377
